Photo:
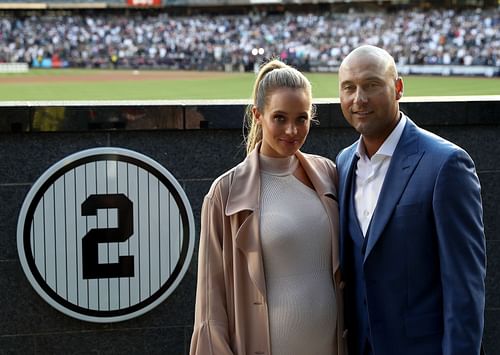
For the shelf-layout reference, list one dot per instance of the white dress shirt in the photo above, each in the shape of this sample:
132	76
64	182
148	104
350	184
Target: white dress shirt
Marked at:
370	175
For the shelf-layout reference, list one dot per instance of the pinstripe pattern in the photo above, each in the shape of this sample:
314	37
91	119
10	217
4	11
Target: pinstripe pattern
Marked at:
56	226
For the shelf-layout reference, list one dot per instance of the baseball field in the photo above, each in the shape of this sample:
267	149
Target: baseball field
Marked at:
86	84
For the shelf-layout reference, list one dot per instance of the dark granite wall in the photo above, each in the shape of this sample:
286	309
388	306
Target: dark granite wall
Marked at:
195	143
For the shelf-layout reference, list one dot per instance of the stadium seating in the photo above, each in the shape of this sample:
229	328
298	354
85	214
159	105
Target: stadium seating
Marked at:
311	41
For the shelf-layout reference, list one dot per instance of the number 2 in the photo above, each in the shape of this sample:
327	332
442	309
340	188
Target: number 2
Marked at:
90	242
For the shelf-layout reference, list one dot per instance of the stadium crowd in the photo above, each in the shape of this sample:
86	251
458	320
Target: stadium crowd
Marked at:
232	42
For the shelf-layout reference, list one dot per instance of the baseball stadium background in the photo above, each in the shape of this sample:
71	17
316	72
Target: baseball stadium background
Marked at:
170	79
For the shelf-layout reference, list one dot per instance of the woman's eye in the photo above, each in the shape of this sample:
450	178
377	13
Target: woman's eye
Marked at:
279	118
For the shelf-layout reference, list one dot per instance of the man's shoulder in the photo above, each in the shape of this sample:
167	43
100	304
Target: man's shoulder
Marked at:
428	141
433	143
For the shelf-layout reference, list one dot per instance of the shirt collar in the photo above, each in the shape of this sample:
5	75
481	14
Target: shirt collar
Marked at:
390	143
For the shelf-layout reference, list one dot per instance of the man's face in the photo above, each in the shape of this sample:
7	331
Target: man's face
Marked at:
369	96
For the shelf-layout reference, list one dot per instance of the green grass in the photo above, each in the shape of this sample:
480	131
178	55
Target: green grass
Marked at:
229	86
325	85
119	90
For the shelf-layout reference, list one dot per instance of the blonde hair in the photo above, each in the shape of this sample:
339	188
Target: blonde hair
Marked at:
272	75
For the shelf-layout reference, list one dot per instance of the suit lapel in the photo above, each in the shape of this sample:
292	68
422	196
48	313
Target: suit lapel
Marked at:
347	168
345	180
403	163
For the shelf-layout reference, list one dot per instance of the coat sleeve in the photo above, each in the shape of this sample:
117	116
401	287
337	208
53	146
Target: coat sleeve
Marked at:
459	226
210	334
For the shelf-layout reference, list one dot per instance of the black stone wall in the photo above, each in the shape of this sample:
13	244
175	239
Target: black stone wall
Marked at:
196	143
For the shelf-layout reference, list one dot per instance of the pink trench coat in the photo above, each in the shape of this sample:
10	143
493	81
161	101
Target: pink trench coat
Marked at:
231	314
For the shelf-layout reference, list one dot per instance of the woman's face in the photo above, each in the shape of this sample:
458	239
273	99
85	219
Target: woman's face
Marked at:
285	122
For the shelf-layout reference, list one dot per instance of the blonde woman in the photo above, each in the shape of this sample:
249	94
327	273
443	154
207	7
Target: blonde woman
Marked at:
268	267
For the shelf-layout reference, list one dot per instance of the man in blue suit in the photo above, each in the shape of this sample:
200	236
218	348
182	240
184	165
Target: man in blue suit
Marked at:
411	232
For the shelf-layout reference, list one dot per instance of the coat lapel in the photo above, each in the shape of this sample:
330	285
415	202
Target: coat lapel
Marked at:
325	188
403	163
247	240
244	191
243	205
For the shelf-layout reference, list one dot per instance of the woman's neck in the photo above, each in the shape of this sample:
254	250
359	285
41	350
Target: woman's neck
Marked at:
278	166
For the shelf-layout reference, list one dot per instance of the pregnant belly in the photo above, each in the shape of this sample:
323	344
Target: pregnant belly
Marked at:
302	314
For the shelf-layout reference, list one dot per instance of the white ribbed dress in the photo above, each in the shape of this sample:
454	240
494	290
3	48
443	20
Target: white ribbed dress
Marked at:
296	247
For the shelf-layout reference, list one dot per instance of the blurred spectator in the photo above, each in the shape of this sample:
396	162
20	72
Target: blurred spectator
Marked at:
225	42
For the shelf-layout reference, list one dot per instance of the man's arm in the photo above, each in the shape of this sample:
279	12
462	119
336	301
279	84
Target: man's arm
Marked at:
459	225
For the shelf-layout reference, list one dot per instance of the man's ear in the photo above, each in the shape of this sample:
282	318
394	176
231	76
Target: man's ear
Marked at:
399	88
256	115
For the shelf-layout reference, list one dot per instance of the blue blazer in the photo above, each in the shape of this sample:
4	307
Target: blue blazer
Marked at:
417	286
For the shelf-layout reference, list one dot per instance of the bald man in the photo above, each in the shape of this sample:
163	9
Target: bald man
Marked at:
411	231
